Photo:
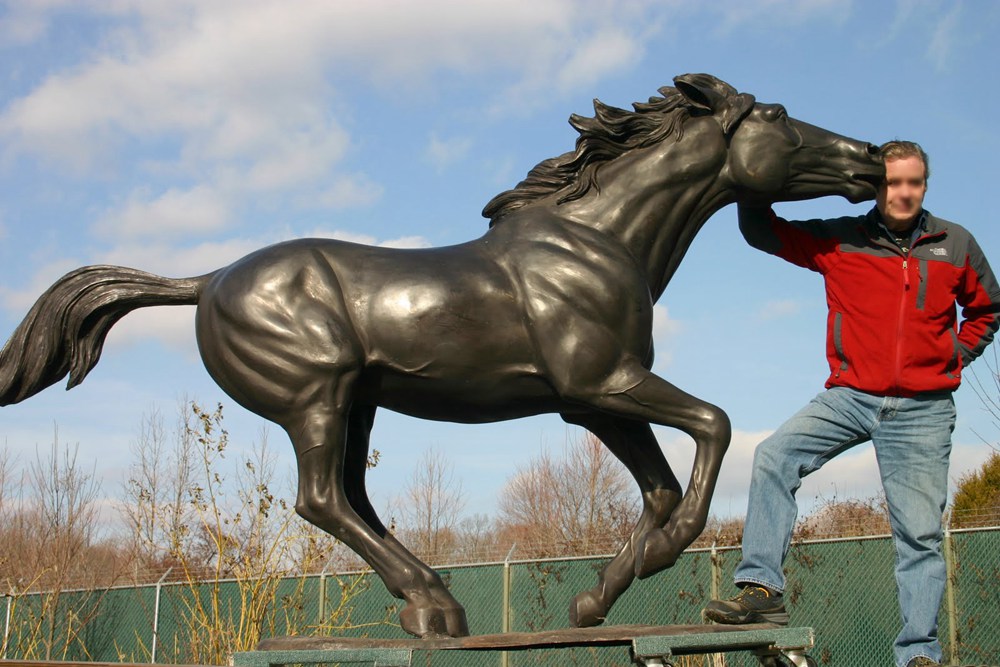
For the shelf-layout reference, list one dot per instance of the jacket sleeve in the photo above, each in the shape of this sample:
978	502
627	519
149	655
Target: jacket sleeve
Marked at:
979	299
805	243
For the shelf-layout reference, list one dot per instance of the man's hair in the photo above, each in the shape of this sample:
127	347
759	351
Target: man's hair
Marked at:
896	149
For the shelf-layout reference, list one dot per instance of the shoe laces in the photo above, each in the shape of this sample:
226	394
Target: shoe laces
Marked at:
755	592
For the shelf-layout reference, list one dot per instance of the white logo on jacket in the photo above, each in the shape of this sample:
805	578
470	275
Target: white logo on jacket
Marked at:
940	252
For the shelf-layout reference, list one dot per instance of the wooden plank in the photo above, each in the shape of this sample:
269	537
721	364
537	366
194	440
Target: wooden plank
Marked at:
377	657
613	635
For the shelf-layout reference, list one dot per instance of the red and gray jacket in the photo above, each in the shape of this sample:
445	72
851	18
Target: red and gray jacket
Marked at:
892	328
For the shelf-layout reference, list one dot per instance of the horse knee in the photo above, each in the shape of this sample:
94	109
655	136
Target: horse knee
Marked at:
320	510
311	508
712	423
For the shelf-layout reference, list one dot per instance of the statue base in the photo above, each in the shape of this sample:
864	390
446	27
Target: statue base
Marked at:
649	645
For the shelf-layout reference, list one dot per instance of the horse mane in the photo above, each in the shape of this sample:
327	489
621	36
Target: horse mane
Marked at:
609	134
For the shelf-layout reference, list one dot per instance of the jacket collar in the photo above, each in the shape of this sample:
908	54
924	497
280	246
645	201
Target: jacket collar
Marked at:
927	224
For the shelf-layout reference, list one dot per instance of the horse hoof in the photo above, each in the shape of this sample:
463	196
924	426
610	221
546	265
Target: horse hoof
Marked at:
456	622
423	622
656	552
586	610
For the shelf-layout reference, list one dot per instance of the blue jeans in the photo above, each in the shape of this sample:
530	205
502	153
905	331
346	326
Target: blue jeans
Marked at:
912	440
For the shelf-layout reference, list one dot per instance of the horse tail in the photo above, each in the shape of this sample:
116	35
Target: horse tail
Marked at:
64	331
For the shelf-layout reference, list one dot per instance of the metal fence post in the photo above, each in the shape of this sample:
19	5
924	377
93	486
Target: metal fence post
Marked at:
716	573
156	616
950	576
322	598
6	627
322	591
505	619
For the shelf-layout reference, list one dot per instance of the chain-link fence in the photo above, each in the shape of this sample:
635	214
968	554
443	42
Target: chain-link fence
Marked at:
843	588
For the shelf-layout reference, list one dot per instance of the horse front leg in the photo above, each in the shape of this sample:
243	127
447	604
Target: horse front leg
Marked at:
636	393
634	444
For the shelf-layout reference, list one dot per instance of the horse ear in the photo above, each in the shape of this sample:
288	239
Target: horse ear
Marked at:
701	90
704	91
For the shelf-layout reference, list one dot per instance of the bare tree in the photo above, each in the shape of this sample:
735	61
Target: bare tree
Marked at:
582	503
8	517
51	542
429	508
155	507
851	517
478	540
63	509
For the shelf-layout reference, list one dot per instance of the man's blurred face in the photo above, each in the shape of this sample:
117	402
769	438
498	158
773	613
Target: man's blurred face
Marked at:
901	196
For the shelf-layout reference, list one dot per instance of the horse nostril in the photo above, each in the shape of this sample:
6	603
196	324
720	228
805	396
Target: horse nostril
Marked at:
872	149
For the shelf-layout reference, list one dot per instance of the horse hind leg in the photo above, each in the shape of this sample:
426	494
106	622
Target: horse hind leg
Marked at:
319	434
634	444
360	422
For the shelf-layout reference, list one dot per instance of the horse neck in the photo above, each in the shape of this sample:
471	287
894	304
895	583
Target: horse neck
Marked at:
655	200
670	237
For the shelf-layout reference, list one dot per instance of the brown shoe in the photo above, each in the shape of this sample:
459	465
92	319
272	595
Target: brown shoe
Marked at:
754	604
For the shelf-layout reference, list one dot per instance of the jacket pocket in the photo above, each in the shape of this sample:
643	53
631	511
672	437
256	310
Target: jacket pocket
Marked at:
954	367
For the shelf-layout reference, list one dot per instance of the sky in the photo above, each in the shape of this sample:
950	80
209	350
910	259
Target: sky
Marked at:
176	136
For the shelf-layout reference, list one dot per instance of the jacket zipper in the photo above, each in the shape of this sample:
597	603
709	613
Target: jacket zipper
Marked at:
902	307
900	322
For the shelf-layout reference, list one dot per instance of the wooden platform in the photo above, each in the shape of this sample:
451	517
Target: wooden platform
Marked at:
78	663
649	644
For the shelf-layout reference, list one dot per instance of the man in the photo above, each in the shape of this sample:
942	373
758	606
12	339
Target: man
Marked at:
892	280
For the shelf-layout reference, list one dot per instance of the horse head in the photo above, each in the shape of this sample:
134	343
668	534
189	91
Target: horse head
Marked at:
773	157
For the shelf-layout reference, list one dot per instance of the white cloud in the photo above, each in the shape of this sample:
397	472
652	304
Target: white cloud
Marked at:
346	192
853	474
734	478
22	23
20	301
252	81
174	261
173	213
944	37
171	325
406	242
738	13
444	152
367	239
664	330
664	327
597	57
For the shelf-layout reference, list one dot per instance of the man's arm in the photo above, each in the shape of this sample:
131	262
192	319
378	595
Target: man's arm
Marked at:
980	302
803	243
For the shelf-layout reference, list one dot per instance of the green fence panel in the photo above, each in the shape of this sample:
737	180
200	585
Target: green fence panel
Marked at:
844	589
540	597
121	627
672	597
976	585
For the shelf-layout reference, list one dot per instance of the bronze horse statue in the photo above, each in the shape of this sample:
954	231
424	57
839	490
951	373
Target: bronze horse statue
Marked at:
550	311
